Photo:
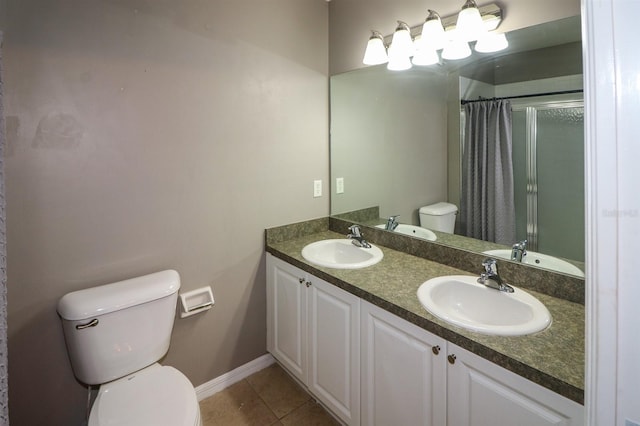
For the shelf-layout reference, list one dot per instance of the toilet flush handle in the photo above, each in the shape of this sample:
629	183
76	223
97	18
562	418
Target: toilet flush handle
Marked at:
91	323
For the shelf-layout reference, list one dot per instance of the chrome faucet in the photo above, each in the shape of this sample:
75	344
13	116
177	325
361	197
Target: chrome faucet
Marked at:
491	278
356	235
519	250
392	223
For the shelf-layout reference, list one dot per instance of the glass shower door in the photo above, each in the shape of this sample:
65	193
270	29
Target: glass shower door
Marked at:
560	160
548	160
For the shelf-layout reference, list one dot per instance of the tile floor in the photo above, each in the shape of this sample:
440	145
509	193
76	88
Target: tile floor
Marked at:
268	397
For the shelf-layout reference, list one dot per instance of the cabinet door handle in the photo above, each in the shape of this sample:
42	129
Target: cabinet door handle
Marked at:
452	359
301	280
308	283
435	350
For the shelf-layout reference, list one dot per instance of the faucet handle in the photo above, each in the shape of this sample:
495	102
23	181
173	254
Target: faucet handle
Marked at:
392	222
520	245
490	266
355	231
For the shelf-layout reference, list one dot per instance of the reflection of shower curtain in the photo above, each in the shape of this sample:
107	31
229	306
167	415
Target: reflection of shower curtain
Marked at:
487	209
4	385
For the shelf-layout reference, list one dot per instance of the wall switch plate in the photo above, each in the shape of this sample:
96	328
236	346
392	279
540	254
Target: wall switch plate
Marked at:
317	188
339	185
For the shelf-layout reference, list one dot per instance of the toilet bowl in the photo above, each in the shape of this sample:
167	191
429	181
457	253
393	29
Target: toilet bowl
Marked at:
156	395
115	334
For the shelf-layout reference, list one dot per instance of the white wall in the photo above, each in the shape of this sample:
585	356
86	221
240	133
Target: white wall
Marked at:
151	135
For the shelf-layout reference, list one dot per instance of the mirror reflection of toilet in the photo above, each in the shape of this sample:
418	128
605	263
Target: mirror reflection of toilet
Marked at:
115	335
439	217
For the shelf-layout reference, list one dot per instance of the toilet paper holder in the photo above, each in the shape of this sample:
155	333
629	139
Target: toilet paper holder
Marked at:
196	301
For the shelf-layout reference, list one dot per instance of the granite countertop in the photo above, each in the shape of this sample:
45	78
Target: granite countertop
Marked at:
553	358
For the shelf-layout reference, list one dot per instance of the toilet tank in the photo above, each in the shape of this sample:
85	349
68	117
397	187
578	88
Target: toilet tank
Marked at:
116	329
439	217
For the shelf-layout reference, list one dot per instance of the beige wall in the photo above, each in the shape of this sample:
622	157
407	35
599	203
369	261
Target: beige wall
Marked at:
351	21
145	135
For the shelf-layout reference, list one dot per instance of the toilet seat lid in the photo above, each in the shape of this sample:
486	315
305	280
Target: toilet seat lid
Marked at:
154	396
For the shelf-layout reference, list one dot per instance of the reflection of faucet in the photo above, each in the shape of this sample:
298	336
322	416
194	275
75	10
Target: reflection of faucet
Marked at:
519	250
356	235
491	278
392	223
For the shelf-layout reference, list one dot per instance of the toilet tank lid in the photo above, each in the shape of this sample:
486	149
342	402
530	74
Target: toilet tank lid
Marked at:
439	209
101	300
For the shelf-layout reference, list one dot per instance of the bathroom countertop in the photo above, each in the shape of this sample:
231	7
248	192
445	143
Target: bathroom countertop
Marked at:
553	358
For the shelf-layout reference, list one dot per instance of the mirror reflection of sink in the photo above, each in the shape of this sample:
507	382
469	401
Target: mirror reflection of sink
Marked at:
541	260
341	254
462	301
413	231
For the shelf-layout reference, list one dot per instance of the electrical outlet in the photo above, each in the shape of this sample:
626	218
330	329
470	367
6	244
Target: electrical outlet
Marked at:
339	185
317	188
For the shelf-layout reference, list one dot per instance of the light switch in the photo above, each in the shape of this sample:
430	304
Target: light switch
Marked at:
317	188
339	185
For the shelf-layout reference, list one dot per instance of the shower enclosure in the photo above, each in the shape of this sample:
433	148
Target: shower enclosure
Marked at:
548	167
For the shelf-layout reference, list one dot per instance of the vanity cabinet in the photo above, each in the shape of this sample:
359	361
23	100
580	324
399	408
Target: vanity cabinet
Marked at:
313	330
481	393
332	341
403	371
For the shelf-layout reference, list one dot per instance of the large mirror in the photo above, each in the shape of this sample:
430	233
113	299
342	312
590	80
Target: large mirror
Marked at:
397	142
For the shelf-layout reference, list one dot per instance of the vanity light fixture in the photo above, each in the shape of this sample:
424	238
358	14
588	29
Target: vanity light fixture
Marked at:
451	34
376	52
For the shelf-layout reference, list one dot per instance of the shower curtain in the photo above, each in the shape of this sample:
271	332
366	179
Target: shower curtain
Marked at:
487	209
4	384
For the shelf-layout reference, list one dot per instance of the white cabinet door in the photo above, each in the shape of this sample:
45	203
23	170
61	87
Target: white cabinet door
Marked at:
481	393
313	330
334	349
287	316
403	372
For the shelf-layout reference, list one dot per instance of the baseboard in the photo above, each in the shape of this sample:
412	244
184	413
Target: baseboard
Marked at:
214	386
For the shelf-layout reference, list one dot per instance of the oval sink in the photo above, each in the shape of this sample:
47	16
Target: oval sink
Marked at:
462	301
341	254
413	231
540	260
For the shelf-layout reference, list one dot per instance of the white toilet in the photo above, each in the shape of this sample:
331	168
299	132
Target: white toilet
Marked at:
439	217
115	335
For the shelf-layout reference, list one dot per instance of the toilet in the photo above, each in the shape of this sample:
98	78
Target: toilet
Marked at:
439	217
115	335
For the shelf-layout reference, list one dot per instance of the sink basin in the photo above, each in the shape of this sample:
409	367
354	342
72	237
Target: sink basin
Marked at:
341	254
413	231
462	301
541	260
